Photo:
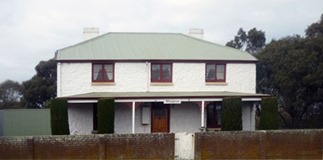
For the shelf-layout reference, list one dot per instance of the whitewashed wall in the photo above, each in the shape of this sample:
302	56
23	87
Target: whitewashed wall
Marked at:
75	78
123	120
248	116
80	118
185	117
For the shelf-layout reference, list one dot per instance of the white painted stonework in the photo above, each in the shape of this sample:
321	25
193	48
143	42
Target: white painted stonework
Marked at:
248	116
80	118
75	78
185	117
123	120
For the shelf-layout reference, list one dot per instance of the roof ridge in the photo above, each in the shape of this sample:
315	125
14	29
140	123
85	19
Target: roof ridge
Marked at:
105	34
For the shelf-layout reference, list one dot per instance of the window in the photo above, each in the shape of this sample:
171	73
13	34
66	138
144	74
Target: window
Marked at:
215	72
214	115
102	72
161	72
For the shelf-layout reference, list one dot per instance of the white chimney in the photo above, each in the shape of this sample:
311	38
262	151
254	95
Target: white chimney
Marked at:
89	33
196	33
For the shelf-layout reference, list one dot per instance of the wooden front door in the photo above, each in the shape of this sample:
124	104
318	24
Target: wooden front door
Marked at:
160	117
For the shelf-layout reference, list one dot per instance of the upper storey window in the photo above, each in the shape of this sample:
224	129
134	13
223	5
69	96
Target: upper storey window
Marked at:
215	72
161	72
102	72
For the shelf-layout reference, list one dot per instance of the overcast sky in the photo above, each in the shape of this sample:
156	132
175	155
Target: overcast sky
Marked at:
32	30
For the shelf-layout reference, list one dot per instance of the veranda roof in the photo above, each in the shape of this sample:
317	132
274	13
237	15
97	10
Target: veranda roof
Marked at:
170	95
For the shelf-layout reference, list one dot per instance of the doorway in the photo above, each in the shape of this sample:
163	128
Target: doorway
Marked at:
160	117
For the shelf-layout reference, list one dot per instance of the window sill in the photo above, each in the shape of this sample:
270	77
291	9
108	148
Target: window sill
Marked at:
102	83
216	83
161	84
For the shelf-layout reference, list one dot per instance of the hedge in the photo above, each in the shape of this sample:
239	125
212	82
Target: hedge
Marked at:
269	114
106	116
59	116
231	119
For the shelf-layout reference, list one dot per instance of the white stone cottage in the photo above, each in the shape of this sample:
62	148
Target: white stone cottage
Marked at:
161	82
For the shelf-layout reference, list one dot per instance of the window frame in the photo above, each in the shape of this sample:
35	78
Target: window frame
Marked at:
161	73
215	72
102	70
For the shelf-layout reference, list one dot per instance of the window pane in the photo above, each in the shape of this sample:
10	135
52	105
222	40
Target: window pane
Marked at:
108	72
220	72
166	71
210	72
220	68
218	115
97	72
220	76
155	74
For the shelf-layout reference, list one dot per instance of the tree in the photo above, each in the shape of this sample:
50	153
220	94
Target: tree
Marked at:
269	114
255	41
239	40
10	94
59	116
106	115
252	42
292	69
231	115
42	86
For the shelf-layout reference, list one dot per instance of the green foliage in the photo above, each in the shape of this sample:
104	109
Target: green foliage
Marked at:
239	40
59	116
269	114
255	41
292	69
10	94
231	119
252	42
42	86
105	116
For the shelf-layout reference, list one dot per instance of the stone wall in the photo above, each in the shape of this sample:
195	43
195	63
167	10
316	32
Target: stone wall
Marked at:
114	146
16	147
284	144
287	144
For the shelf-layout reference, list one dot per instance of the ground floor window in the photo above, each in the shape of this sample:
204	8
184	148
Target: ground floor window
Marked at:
214	115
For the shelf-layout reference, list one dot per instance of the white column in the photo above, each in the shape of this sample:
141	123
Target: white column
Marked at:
133	116
202	115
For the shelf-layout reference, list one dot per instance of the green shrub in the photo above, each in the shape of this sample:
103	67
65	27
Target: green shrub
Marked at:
59	116
231	119
269	114
105	116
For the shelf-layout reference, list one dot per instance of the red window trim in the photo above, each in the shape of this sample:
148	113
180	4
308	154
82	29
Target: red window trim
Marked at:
160	72
102	66
216	80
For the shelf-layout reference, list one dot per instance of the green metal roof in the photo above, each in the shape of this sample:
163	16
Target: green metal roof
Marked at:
124	95
150	46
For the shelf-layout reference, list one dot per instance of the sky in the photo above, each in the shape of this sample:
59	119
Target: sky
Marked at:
32	30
